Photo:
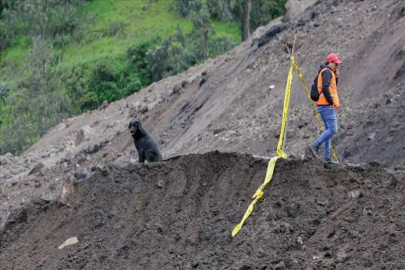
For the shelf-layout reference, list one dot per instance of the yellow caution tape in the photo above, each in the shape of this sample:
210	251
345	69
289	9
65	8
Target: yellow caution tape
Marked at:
281	154
286	107
272	163
318	117
259	193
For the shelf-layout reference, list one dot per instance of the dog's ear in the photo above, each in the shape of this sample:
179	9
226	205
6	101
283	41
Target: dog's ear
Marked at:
138	125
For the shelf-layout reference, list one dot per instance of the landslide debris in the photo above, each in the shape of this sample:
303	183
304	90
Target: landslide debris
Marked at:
180	214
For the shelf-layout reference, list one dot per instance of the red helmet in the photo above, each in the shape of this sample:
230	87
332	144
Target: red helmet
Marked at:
333	58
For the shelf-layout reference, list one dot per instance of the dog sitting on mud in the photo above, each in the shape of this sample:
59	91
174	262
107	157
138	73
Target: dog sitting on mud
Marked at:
144	144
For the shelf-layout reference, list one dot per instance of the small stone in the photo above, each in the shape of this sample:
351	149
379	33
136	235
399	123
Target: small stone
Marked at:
400	226
371	136
80	137
279	266
104	105
293	210
285	227
176	89
354	234
68	242
161	183
367	211
341	256
327	255
218	130
321	202
203	80
138	108
354	194
80	175
142	107
102	169
368	183
38	167
93	149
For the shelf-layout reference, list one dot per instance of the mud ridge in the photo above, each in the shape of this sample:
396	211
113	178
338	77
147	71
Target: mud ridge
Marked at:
180	214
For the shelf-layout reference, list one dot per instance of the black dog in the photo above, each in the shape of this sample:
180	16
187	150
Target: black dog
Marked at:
147	149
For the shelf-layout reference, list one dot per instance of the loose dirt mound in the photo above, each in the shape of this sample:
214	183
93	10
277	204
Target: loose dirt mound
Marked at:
180	214
233	103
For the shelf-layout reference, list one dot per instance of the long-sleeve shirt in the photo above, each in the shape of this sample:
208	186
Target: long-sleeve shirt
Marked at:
326	79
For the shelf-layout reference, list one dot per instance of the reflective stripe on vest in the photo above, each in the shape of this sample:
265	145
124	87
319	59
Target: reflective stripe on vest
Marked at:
332	89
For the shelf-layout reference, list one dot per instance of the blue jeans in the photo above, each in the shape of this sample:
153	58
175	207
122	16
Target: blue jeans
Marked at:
330	122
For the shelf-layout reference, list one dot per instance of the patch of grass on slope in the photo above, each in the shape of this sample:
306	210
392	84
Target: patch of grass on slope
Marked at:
120	24
124	23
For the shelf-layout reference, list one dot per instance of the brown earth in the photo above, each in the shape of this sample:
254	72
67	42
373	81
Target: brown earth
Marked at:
232	104
180	214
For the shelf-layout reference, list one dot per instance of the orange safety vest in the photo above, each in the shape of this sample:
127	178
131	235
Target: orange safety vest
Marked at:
332	89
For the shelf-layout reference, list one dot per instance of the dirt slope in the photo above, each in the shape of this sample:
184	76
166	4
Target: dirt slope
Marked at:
179	215
227	103
233	104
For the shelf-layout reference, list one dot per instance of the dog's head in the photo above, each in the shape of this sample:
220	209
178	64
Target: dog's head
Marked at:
135	127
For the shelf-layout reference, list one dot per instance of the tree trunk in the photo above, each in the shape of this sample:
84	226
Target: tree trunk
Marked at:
246	20
206	44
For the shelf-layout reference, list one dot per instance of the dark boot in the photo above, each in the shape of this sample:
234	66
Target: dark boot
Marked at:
313	150
330	161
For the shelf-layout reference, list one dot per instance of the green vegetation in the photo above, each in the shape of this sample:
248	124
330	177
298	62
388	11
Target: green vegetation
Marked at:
60	58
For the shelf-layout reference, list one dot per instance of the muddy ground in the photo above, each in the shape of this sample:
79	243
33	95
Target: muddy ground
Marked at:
180	214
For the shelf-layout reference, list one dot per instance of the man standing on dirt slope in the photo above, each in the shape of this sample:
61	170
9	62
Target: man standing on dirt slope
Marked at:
327	103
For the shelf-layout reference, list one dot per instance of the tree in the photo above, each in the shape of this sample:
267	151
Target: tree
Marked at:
246	27
202	25
241	10
171	56
247	13
263	11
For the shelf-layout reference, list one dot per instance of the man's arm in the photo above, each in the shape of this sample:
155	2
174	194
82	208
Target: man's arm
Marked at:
326	78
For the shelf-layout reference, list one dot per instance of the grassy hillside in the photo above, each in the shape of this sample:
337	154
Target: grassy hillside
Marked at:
119	24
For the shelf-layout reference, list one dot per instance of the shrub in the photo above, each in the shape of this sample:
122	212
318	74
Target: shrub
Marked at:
108	79
55	20
38	103
179	51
